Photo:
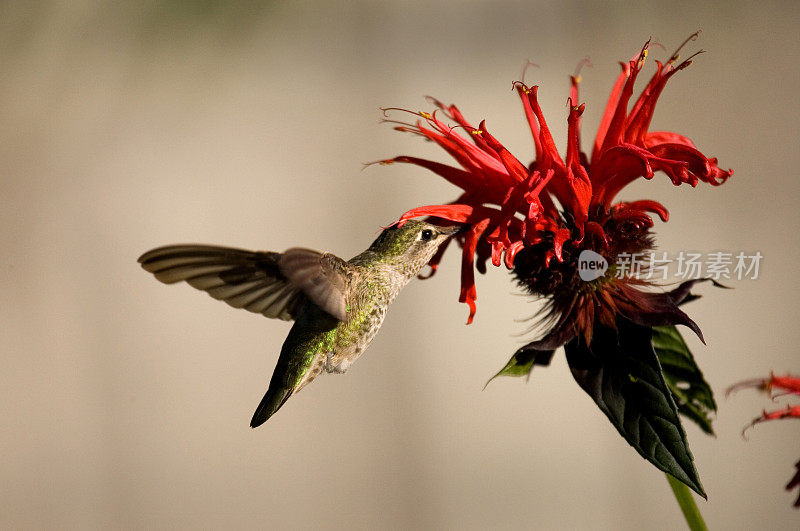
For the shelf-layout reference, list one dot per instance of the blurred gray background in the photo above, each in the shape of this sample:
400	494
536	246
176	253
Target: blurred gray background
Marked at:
124	126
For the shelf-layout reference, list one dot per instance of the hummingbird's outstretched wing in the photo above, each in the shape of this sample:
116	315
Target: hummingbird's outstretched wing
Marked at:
243	279
273	284
323	277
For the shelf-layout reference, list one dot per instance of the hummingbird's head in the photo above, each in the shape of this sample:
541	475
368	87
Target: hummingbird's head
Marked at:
412	245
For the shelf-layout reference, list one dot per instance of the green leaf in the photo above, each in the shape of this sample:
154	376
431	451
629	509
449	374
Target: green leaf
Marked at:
691	392
621	372
522	362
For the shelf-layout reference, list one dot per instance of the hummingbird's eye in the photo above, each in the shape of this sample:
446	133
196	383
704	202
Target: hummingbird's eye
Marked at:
426	235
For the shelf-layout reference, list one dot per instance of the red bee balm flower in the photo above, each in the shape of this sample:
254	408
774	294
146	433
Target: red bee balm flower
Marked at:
545	219
619	338
537	219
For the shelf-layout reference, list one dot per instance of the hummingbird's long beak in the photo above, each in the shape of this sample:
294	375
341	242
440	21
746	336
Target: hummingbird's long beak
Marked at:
452	231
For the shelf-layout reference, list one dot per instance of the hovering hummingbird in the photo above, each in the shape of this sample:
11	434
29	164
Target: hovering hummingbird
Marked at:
337	305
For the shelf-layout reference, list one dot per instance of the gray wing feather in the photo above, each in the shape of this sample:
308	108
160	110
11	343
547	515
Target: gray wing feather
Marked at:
323	277
243	279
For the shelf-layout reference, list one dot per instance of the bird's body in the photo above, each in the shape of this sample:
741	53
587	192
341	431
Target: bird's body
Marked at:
338	305
318	342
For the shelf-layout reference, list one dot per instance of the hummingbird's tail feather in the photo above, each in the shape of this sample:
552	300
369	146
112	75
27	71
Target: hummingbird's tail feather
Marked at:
271	403
287	380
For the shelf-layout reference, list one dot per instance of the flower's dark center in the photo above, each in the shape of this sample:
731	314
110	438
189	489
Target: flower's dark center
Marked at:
555	279
578	300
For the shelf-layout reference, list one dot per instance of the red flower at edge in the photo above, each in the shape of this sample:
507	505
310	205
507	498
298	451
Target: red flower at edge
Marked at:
785	385
536	219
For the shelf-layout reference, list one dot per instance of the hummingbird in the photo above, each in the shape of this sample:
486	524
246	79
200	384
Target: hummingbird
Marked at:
337	305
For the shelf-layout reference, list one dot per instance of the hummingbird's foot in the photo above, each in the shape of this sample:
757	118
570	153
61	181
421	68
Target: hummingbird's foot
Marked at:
337	366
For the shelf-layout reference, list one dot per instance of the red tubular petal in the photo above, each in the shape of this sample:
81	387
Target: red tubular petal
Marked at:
577	177
571	185
523	91
666	137
453	148
573	89
646	93
573	133
790	384
478	149
514	167
548	256
616	168
622	164
546	205
511	252
534	213
581	188
698	166
482	255
649	206
593	228
468	291
574	128
635	216
616	129
512	204
470	300
497	253
465	180
452	112
550	156
541	182
457	213
789	412
472	158
642	112
608	114
560	236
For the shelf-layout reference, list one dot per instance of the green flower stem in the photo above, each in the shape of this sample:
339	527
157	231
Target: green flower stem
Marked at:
684	496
